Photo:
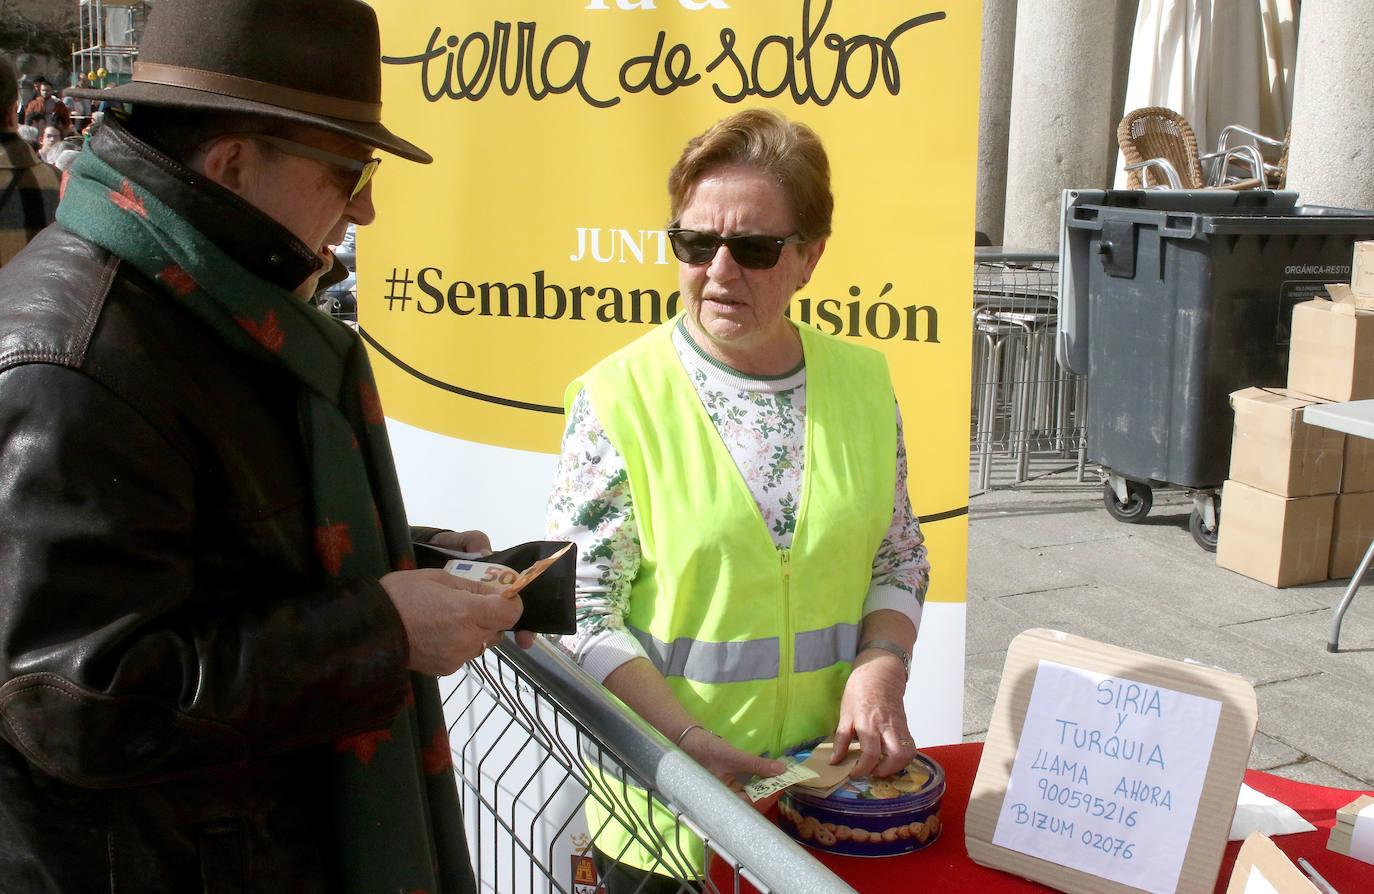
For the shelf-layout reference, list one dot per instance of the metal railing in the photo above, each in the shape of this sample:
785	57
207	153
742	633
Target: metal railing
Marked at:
526	729
1027	413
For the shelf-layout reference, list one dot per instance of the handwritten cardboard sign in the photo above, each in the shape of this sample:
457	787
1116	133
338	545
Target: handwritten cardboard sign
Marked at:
1107	776
1107	770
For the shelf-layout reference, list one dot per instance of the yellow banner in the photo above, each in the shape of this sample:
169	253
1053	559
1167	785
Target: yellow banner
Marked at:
535	243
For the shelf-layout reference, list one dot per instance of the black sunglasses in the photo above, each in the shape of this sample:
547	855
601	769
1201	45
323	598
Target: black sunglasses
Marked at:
752	252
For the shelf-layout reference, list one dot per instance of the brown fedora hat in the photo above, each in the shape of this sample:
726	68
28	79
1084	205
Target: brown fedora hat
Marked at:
316	62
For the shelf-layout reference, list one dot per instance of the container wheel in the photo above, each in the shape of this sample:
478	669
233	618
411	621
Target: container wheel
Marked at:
1139	499
1207	539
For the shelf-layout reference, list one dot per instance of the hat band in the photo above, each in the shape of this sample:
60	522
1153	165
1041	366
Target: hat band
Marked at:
257	91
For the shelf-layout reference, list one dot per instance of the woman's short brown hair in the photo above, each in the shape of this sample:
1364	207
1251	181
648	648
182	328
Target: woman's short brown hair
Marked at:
788	150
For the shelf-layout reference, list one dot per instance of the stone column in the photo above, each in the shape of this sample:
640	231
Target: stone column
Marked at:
1331	150
1062	113
994	113
1121	71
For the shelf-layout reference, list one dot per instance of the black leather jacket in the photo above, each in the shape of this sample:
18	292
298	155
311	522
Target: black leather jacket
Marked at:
172	667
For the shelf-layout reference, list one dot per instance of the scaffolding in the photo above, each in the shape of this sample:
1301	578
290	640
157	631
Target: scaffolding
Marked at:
109	32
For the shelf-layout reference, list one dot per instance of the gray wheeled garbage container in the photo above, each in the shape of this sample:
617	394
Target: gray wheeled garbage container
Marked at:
1170	300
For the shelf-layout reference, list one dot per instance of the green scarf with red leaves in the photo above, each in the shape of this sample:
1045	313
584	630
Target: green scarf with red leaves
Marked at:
396	814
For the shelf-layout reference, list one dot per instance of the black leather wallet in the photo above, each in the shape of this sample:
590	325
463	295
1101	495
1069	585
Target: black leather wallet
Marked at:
548	598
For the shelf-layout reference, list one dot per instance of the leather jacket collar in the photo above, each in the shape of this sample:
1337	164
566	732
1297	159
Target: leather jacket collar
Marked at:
254	240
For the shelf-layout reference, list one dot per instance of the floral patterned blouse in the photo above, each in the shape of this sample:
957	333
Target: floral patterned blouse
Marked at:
762	421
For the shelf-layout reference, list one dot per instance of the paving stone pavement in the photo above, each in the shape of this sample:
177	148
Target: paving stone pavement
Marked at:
1045	553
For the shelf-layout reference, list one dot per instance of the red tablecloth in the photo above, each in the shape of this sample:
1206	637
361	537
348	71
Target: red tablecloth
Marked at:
945	865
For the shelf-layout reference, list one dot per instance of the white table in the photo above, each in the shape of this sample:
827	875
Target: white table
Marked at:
1355	417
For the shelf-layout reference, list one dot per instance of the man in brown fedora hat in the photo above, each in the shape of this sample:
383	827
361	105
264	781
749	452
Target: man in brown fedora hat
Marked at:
217	659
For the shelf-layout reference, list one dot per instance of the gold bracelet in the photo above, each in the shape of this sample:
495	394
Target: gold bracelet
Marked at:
682	735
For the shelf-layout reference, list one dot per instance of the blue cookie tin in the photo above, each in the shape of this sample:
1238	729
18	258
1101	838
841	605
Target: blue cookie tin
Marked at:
877	817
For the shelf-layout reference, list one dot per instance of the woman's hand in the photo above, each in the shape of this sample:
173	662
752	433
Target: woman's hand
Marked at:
872	715
639	684
723	760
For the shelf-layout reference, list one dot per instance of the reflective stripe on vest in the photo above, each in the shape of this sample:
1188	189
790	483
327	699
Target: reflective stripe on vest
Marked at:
818	649
756	659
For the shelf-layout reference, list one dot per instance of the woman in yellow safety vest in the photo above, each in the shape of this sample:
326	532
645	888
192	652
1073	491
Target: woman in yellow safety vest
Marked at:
751	574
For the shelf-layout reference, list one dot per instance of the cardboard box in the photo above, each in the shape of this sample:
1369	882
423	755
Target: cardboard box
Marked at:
1280	541
1261	866
1352	529
1332	350
1274	450
1357	467
1362	274
1354	830
1089	776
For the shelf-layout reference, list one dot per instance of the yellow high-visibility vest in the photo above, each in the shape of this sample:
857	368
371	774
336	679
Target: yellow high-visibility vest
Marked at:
757	642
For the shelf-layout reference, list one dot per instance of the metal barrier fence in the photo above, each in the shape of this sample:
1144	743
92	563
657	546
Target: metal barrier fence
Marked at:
1026	413
526	727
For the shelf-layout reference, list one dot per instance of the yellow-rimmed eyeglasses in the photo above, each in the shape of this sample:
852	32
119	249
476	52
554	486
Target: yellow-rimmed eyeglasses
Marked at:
364	169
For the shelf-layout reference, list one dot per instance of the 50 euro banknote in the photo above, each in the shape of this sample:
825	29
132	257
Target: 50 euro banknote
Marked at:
510	580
